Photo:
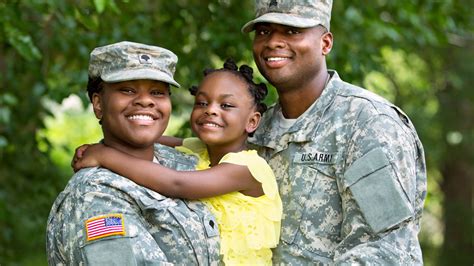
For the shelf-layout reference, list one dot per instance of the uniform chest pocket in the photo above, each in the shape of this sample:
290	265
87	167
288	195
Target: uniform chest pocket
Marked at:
312	205
311	172
176	229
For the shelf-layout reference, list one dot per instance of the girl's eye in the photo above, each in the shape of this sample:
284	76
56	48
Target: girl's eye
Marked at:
158	93
227	106
201	104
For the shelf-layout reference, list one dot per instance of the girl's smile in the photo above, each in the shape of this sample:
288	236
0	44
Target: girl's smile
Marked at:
223	111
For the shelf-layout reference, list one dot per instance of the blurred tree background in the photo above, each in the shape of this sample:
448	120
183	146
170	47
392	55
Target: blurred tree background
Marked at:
419	54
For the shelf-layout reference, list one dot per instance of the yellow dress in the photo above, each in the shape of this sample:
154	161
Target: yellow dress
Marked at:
249	227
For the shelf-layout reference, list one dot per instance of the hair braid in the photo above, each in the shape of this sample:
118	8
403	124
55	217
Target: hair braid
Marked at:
257	91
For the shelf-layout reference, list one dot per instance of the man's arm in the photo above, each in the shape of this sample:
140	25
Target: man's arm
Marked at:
379	194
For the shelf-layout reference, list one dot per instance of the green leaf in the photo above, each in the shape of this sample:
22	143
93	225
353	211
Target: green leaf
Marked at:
8	99
3	142
5	115
22	43
100	5
90	21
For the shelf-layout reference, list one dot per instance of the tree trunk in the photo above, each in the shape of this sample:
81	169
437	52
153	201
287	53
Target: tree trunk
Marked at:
457	188
457	168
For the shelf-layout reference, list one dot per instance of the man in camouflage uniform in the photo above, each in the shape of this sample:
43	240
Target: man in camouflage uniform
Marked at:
349	164
102	218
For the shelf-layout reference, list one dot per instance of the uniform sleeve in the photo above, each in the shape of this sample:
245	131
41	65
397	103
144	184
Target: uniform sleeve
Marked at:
379	195
127	240
54	245
99	220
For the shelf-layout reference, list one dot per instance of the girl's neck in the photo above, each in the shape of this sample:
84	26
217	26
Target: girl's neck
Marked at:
217	152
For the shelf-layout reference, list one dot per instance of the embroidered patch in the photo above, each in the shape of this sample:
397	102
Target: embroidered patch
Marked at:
106	225
314	157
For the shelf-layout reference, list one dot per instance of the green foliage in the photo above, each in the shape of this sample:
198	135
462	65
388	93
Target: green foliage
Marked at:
80	125
413	52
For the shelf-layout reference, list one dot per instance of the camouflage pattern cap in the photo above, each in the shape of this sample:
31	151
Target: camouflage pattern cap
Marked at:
131	61
295	13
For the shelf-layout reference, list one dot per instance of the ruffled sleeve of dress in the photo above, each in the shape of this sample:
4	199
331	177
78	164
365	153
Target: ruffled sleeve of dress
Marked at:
196	147
258	167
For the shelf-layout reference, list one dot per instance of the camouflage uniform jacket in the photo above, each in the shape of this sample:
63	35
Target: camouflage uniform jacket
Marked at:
352	178
156	230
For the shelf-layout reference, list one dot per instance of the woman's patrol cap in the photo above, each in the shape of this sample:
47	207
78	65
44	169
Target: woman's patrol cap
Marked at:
131	61
294	13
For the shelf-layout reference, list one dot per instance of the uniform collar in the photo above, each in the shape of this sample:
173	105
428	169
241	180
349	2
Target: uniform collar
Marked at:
267	134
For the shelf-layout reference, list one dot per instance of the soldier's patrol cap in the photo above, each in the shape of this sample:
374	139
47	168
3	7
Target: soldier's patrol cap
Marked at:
294	13
132	61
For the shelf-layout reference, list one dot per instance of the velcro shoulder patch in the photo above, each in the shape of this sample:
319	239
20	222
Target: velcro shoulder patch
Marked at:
105	225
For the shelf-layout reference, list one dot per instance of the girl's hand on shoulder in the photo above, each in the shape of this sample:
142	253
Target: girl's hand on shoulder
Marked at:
78	153
87	155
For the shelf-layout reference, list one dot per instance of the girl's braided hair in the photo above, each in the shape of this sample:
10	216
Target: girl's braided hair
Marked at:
245	72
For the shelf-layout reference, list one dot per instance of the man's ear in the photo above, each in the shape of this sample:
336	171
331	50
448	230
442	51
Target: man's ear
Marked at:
326	43
97	105
253	122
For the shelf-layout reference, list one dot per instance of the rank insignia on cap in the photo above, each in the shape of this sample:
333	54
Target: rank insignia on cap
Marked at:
105	225
144	59
273	3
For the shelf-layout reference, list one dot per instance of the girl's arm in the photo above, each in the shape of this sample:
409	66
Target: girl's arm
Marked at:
170	141
220	179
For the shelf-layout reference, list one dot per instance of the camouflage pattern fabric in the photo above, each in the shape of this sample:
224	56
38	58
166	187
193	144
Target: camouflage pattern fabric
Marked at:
124	61
352	178
294	13
158	230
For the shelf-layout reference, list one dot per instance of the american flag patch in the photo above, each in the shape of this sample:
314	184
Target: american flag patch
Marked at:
106	225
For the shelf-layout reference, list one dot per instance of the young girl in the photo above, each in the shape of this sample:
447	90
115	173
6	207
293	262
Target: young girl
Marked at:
238	186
